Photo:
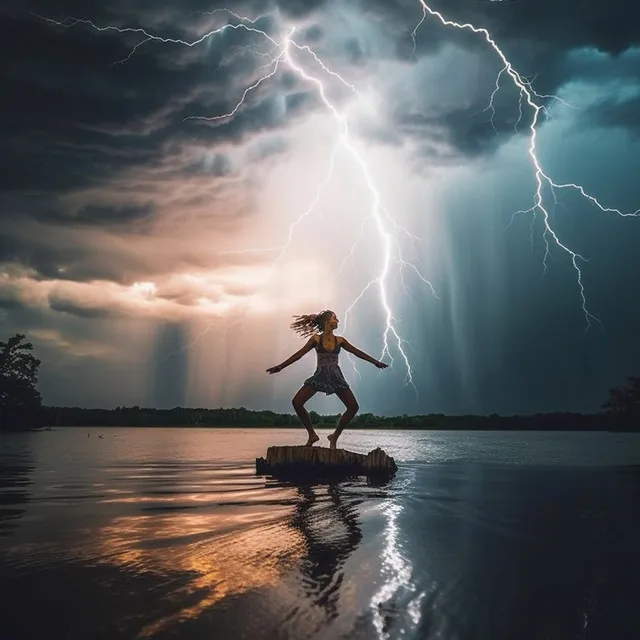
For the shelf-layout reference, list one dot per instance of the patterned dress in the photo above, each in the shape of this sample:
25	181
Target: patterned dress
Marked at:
327	377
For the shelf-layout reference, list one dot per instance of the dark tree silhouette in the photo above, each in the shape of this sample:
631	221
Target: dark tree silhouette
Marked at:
625	401
20	400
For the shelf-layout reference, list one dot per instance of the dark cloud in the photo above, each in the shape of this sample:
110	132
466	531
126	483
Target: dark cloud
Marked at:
298	102
9	299
617	113
355	51
536	37
71	258
64	305
88	148
608	26
217	165
313	34
62	90
73	119
465	130
29	252
105	215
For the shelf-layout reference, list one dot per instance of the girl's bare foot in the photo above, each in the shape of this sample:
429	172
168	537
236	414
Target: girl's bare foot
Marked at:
313	437
333	438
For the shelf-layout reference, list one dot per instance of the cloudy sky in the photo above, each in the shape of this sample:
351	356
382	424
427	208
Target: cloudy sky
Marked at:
179	180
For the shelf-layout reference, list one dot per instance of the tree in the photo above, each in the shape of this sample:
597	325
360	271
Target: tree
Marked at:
18	374
625	401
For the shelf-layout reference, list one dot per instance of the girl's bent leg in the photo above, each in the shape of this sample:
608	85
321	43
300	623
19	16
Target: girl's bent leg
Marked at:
350	402
304	393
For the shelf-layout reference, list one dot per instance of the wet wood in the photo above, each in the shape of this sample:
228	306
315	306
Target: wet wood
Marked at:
314	461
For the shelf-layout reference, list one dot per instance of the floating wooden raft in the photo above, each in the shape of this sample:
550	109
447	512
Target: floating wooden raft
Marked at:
307	461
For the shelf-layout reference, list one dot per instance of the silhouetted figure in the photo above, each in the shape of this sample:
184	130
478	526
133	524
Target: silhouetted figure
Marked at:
328	377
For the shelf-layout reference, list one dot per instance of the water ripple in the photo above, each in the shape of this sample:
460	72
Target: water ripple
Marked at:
169	533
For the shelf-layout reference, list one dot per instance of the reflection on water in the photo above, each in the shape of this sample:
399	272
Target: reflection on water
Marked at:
169	533
180	544
398	592
216	527
331	532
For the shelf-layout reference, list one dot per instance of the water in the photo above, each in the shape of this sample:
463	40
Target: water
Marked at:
168	533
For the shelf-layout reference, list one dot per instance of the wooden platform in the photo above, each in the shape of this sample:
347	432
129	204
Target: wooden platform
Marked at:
322	461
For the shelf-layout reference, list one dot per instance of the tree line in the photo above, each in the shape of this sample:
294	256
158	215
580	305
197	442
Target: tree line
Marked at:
21	408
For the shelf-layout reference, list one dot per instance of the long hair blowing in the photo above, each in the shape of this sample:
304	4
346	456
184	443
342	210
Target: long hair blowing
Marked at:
307	325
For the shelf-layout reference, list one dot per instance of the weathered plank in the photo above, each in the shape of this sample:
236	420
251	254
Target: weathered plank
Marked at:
301	460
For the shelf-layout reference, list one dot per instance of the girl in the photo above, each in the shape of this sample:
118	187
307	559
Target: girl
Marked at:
327	377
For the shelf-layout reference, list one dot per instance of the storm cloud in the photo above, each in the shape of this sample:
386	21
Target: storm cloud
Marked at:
134	189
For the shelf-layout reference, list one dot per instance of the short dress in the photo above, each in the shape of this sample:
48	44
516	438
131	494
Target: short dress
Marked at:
328	377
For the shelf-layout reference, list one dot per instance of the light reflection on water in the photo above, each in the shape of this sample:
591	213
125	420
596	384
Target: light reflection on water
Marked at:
173	534
397	571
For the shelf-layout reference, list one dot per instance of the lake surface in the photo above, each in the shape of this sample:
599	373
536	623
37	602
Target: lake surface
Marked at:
168	533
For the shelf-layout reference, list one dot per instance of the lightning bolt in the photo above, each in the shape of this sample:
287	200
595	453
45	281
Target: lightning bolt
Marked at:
377	211
287	52
532	99
378	214
148	37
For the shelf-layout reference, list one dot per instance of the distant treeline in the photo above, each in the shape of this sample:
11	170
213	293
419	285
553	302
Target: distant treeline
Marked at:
240	417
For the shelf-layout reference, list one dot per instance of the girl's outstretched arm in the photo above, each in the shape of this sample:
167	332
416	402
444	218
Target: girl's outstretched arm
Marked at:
347	346
296	356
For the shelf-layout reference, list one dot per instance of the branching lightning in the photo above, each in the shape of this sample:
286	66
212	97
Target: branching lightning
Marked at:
530	97
310	68
377	213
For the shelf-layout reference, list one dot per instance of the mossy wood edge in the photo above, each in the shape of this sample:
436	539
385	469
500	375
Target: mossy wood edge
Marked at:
322	460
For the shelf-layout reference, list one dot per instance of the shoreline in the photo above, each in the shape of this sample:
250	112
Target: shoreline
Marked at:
540	429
